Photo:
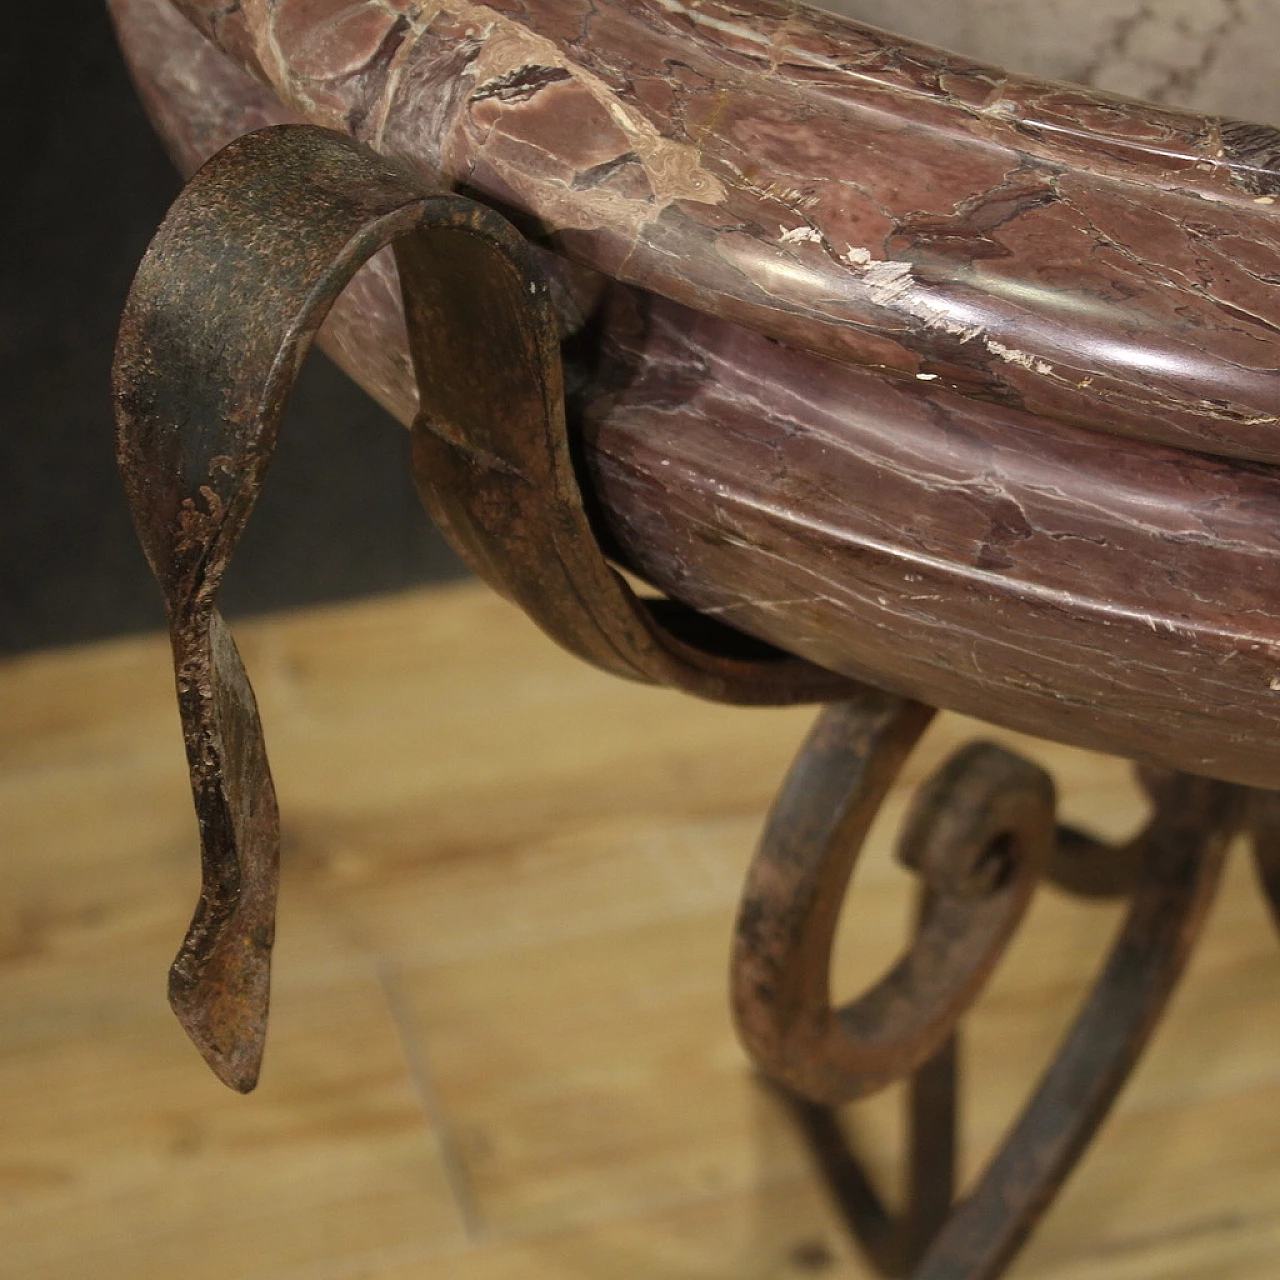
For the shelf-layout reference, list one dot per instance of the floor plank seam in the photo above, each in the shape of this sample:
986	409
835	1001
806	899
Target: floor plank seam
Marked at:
474	1226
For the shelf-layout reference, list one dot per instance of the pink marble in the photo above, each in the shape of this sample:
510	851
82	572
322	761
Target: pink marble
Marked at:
855	194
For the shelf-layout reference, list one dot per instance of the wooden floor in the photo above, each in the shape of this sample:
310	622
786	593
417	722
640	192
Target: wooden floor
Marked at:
500	1045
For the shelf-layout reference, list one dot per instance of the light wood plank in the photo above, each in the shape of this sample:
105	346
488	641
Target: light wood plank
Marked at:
119	1160
509	885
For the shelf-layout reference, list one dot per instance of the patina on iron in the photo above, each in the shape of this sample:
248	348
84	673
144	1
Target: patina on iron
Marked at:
981	835
224	308
221	313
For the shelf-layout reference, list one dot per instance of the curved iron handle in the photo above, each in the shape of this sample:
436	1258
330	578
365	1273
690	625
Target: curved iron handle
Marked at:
222	311
493	463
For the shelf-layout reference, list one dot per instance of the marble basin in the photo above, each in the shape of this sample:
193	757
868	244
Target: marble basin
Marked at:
951	378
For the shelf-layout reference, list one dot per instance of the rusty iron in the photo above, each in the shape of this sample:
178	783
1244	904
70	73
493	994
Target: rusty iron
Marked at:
501	485
221	313
894	1243
223	310
981	833
1187	842
1088	867
978	837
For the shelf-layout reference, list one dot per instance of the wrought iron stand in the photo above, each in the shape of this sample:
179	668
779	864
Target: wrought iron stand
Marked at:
224	307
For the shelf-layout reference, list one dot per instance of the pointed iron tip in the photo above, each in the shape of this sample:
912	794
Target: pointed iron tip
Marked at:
225	1015
238	1068
220	982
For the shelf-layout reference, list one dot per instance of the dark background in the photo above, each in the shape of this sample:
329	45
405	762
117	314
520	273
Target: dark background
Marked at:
85	184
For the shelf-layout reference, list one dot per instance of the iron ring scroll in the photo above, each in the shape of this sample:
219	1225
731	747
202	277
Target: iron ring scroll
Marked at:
979	836
221	313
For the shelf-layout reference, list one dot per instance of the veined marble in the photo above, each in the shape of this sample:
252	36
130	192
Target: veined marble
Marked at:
1001	303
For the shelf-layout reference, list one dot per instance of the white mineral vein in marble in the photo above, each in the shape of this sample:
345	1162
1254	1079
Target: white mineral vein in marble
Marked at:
799	234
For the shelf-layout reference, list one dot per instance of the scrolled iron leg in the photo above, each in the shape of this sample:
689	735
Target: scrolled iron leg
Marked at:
895	1244
1088	867
981	833
1184	856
